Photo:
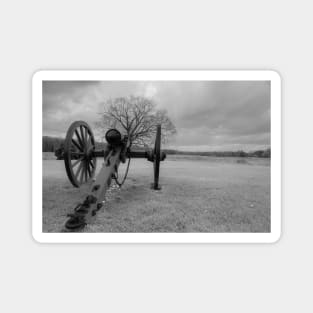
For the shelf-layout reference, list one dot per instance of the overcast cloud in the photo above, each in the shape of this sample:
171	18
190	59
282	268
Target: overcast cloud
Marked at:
216	115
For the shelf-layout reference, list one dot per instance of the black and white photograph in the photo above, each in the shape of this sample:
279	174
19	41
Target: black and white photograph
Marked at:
156	156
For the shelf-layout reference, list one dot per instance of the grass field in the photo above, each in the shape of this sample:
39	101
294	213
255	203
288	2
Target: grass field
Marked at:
199	194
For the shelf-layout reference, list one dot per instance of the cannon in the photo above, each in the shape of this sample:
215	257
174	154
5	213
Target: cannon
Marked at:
80	158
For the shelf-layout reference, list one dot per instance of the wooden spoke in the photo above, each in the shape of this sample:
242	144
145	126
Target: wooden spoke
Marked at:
82	173
79	140
79	169
86	173
82	134
77	161
88	169
91	163
76	144
89	143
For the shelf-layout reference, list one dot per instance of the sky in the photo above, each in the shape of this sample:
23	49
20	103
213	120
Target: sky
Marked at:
208	115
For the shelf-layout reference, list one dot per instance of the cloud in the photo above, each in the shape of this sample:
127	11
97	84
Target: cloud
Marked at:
222	115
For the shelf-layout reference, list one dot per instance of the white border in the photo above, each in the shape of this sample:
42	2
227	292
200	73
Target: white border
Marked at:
271	237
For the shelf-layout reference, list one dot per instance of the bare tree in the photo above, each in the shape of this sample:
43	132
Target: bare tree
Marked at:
136	117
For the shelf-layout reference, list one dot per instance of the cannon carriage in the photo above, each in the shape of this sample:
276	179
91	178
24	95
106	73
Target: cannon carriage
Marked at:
80	158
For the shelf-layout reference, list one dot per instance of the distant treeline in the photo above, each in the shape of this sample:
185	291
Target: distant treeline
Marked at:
257	153
51	144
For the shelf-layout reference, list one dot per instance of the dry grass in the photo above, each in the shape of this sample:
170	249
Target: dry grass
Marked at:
196	196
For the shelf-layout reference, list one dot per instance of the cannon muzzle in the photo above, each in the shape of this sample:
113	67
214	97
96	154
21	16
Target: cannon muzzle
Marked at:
113	137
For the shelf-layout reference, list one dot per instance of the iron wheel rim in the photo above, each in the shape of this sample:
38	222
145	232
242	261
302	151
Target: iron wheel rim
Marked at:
79	145
157	157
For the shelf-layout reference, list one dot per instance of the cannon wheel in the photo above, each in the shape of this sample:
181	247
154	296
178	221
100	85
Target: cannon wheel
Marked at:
79	145
157	158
